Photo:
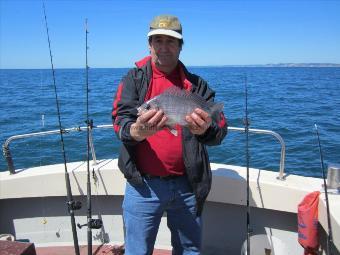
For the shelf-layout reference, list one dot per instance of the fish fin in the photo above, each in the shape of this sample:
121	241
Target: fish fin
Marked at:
174	132
188	95
176	91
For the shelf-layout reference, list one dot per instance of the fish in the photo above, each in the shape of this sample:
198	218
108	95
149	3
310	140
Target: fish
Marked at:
177	103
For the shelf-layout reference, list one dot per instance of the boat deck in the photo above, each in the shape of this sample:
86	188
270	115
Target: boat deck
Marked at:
97	250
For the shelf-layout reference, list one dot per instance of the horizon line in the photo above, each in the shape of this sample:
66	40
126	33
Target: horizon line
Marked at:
227	65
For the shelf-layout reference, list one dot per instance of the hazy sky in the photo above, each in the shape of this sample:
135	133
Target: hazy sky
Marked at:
215	32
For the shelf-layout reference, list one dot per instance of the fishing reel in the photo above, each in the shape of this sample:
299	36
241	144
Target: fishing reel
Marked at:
94	224
89	123
74	205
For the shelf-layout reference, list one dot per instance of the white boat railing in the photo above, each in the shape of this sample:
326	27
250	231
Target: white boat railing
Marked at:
11	168
277	136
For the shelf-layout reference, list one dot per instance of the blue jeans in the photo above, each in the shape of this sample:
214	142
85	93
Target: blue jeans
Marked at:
143	208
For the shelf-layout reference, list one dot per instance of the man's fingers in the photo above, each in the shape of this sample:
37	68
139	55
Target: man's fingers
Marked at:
161	124
191	122
146	116
151	121
198	120
203	114
155	119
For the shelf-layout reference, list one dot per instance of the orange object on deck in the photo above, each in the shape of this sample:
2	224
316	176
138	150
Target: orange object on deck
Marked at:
308	223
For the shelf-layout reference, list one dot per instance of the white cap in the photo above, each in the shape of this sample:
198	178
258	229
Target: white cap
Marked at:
166	25
165	32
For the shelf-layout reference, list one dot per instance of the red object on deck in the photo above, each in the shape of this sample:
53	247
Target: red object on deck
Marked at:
16	248
308	223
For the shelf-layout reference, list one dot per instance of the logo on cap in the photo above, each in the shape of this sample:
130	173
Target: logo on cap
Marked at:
163	24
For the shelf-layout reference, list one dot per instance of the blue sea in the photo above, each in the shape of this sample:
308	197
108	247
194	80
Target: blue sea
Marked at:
285	100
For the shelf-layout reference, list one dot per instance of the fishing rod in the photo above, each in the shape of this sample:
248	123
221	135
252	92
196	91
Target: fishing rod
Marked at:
91	223
330	233
71	204
246	128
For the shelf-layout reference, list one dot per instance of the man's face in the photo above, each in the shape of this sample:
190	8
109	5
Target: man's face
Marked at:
164	50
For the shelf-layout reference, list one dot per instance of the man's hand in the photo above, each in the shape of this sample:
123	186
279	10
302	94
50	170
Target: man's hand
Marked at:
147	124
198	121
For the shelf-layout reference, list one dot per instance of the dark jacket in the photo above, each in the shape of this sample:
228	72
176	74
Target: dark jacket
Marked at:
131	94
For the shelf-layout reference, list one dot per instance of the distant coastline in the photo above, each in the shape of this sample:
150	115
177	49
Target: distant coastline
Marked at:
289	65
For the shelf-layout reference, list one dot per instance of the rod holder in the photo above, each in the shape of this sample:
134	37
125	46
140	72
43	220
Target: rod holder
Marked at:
8	157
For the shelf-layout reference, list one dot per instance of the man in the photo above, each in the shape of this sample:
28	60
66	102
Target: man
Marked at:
164	172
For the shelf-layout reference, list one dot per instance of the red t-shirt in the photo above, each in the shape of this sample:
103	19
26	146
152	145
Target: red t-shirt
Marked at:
161	153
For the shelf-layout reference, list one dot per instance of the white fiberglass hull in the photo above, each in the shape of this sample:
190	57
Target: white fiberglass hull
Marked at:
33	207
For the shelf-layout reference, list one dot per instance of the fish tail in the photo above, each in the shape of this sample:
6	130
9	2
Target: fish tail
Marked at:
216	109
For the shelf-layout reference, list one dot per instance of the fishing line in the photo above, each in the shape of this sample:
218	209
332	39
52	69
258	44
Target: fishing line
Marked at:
42	121
71	204
246	128
330	233
44	220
